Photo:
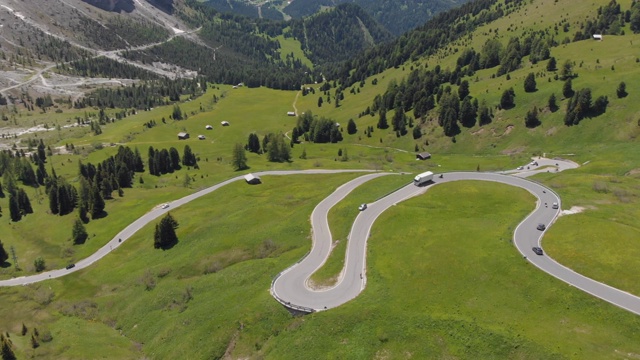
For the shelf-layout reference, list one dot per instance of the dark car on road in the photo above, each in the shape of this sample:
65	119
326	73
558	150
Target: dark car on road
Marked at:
541	227
537	250
71	266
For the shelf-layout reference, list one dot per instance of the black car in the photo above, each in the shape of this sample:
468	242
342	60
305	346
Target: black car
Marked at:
541	227
71	266
537	250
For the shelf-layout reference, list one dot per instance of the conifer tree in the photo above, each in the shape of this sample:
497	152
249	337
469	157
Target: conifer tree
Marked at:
239	158
14	208
165	233
4	256
79	233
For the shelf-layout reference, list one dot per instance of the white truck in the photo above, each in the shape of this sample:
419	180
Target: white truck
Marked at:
423	178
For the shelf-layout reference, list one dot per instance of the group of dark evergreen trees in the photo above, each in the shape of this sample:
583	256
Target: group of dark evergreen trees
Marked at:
316	129
98	182
163	161
274	145
146	96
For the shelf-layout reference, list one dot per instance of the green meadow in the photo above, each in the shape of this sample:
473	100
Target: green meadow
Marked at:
444	280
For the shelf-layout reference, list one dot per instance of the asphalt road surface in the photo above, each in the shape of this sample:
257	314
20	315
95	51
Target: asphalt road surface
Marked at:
291	286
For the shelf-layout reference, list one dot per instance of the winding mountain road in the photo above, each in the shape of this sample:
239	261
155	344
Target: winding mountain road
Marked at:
291	288
158	211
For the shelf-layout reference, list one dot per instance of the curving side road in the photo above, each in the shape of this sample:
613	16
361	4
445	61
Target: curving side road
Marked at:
144	220
290	287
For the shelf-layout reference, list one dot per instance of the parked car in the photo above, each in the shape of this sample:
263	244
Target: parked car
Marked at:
164	206
71	266
362	207
554	206
520	168
541	227
537	250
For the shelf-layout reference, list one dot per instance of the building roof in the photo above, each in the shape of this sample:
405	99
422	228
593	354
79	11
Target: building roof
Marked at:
182	134
252	179
423	155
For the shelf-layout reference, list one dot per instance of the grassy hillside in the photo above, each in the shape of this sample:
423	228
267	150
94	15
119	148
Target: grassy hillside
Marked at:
449	284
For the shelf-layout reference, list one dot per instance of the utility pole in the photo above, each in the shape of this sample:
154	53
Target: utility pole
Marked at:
15	258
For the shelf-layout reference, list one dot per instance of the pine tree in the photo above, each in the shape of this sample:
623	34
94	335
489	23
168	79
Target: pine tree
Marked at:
531	119
239	158
165	233
41	152
174	159
97	202
188	158
3	254
507	99
6	351
467	113
14	208
552	103
463	90
79	233
177	112
484	116
567	89
351	127
417	133
151	159
621	91
382	120
253	143
530	83
551	64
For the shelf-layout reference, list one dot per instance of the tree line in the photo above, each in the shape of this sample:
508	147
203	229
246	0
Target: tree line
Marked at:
163	161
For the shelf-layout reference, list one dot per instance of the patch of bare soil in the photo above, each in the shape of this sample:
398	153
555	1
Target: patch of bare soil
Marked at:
478	132
633	172
513	151
551	131
573	210
508	130
231	346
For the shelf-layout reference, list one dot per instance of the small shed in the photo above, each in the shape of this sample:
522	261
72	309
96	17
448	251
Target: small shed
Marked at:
597	37
291	113
183	136
201	137
224	123
252	179
423	156
209	127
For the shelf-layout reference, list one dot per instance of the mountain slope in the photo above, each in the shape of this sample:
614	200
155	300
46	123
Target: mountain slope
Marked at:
338	34
396	17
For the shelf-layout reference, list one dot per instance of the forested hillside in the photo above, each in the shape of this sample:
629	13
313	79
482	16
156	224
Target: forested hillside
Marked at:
396	17
337	34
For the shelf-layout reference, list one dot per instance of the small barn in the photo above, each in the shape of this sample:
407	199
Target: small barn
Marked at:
423	156
597	37
224	123
291	113
252	179
201	137
209	127
183	136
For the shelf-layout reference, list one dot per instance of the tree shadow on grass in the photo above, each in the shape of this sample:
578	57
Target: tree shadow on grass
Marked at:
101	215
